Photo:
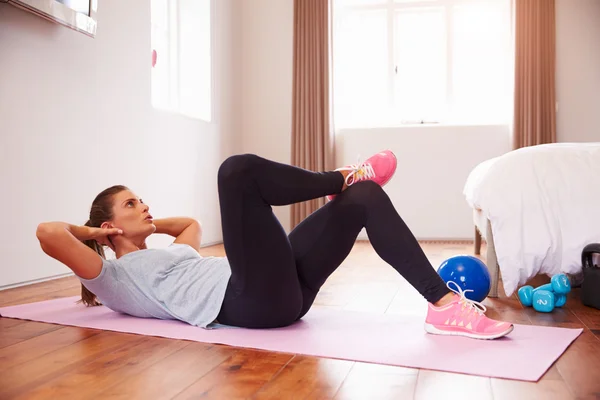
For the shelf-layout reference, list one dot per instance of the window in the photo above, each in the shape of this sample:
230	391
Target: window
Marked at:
181	55
401	62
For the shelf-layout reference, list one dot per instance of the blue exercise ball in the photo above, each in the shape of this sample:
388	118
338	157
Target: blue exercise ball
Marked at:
469	273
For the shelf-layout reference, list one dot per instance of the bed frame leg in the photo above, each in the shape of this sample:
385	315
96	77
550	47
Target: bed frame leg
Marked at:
492	261
477	242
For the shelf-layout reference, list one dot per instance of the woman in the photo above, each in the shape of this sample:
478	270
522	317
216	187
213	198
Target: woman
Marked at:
268	279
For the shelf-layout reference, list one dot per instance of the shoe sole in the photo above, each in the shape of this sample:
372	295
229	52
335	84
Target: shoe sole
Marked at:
429	328
382	184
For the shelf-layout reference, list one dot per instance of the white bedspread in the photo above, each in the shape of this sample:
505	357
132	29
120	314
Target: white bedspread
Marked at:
544	206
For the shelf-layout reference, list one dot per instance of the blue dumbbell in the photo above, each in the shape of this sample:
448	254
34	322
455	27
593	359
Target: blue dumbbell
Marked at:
559	284
543	301
526	295
561	300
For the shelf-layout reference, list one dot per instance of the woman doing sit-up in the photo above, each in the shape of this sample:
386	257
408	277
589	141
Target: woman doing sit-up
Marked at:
267	279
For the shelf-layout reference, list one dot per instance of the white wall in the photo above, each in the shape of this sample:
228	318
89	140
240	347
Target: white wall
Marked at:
433	161
433	164
578	70
433	208
76	117
265	94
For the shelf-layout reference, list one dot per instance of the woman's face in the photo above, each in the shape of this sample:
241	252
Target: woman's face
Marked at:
131	215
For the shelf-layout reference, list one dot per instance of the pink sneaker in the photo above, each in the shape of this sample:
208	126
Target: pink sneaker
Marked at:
379	168
464	317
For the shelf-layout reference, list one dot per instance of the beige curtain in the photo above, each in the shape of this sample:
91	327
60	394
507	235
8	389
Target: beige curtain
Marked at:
312	136
535	95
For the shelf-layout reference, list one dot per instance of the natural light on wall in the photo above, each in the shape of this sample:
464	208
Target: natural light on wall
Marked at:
398	62
181	44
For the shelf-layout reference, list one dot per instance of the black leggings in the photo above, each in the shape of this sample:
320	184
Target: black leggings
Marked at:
275	278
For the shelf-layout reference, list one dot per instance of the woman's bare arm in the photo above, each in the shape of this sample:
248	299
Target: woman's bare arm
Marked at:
185	230
63	242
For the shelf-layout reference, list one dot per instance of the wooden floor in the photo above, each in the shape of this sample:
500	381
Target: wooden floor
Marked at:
40	360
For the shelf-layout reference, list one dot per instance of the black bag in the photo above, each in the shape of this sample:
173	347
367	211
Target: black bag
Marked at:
590	288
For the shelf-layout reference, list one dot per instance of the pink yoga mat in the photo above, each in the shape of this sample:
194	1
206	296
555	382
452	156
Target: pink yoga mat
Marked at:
525	354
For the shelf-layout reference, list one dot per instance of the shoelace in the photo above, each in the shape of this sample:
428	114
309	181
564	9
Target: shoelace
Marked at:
471	304
362	170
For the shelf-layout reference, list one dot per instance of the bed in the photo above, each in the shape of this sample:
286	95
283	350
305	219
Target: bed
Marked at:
536	208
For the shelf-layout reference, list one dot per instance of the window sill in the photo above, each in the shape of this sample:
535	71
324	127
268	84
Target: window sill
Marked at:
444	125
179	113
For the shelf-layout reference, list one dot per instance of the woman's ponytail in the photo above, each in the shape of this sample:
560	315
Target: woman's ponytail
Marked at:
100	212
88	298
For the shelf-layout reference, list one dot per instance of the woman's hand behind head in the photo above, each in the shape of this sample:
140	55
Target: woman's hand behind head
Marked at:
102	235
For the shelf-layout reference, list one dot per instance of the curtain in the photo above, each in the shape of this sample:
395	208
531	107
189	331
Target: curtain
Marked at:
312	135
535	93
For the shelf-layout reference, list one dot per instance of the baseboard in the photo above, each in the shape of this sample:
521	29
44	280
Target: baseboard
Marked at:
457	241
211	243
34	281
445	241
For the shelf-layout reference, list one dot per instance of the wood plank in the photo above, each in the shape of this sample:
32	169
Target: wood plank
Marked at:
579	366
70	292
550	386
373	297
560	317
239	377
554	381
589	316
373	381
446	385
24	293
171	375
16	333
25	377
307	377
106	371
6	322
41	345
408	302
336	294
506	309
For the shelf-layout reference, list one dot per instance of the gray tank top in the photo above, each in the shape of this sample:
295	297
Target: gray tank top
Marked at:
170	283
